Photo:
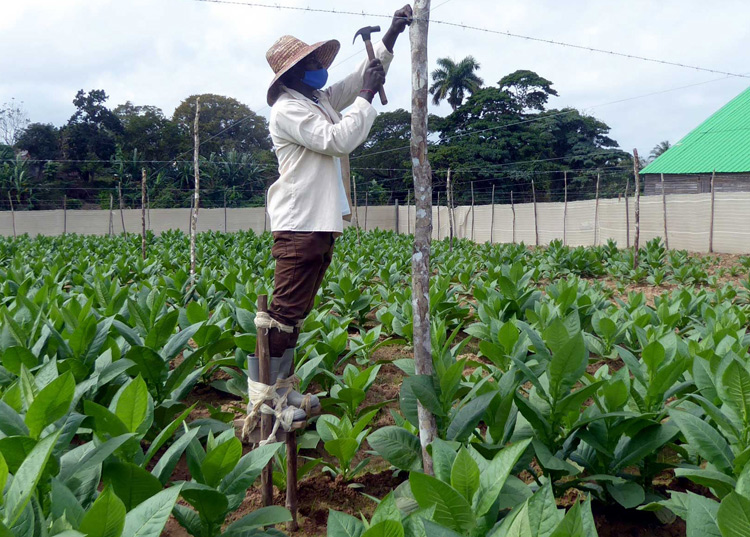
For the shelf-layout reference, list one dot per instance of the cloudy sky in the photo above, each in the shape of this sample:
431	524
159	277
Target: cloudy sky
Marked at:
158	52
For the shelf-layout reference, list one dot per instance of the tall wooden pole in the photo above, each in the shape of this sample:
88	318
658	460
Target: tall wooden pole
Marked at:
12	214
423	223
196	195
627	214
565	211
664	210
536	219
492	218
711	228
596	211
637	175
449	195
472	211
143	213
122	214
513	225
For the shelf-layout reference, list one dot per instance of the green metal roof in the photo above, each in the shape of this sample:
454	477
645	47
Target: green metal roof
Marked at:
720	143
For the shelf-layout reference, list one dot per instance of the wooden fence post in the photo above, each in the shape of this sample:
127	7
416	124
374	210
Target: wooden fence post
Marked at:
423	223
711	227
196	194
143	213
536	222
596	212
122	214
664	210
513	225
565	211
449	195
637	240
472	211
492	217
12	214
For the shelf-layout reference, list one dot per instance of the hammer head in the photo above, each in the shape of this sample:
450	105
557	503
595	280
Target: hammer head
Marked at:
365	32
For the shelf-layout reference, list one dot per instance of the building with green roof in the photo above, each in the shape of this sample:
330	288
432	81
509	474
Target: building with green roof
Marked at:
720	144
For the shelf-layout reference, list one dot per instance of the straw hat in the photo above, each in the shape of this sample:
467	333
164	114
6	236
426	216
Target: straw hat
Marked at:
288	51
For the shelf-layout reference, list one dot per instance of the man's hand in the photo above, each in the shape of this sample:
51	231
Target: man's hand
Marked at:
373	80
401	19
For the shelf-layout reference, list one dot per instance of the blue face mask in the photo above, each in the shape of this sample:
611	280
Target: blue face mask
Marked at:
316	79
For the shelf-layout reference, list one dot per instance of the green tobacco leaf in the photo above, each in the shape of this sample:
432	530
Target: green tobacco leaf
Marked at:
148	364
220	461
11	423
451	509
167	433
646	442
443	455
162	330
265	516
14	357
131	483
491	481
386	528
543	513
397	446
149	518
719	483
567	366
168	461
343	525
106	517
105	421
734	516
15	449
702	515
468	416
26	478
705	439
132	405
465	475
653	355
571	525
3	475
736	381
209	502
627	494
51	404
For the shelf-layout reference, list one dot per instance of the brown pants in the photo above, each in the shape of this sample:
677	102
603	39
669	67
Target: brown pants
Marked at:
302	258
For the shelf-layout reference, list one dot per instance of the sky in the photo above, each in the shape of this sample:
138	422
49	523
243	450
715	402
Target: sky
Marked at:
158	52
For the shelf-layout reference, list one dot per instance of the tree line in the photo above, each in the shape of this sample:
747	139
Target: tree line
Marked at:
501	135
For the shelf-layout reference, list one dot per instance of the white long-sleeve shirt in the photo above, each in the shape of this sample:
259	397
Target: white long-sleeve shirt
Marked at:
309	138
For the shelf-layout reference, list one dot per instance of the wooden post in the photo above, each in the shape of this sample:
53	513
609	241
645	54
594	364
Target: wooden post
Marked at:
111	223
472	211
12	214
143	213
266	423
423	223
637	240
397	226
596	212
711	226
513	225
536	222
225	211
291	479
438	216
664	210
196	195
565	211
367	204
449	195
408	212
492	217
65	214
627	215
122	214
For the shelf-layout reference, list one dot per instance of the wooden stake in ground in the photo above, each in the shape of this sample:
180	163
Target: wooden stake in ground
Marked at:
122	214
627	214
711	227
596	212
12	214
449	195
492	217
111	223
472	211
536	218
143	213
408	212
291	479
423	223
664	210
637	174
196	195
565	211
513	225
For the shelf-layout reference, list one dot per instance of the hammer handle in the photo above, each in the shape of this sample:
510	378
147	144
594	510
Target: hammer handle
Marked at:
371	55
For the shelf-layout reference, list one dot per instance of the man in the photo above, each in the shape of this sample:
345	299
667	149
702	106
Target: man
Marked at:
308	201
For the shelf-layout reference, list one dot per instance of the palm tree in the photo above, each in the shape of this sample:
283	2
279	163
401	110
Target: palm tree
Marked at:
451	80
658	149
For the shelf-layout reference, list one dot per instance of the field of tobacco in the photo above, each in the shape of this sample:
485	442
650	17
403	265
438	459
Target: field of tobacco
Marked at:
574	394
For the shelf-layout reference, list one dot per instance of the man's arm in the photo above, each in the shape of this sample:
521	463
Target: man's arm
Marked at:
342	93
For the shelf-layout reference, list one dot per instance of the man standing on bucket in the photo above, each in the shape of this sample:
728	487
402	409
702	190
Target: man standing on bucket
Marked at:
309	200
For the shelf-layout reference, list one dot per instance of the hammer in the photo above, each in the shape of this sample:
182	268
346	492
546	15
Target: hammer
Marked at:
365	33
